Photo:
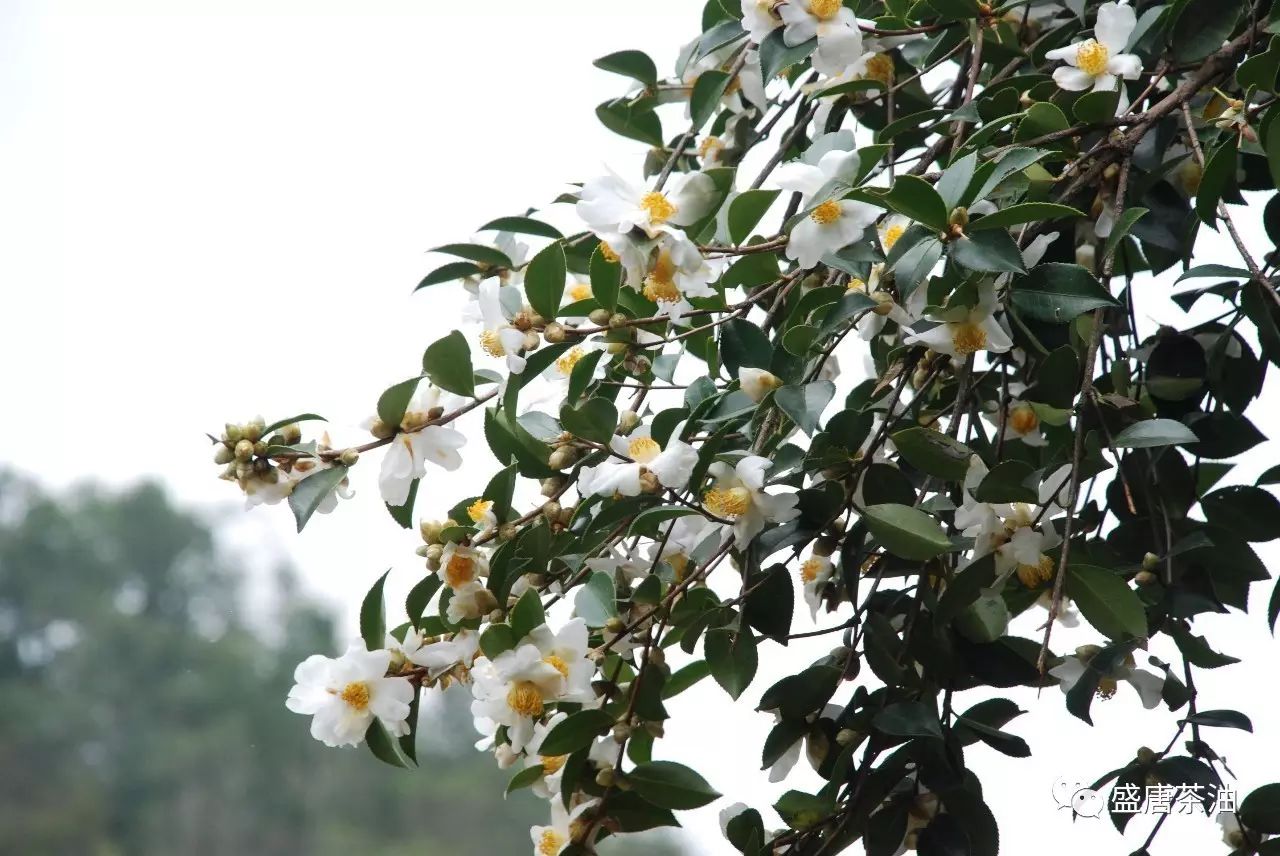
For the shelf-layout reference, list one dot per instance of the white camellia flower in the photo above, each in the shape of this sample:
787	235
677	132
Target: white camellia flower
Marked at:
832	24
678	272
815	573
610	205
1073	668
872	323
508	245
416	444
966	330
344	695
830	226
738	495
807	179
470	601
498	338
759	18
512	690
672	465
690	534
439	657
547	785
785	762
481	514
461	565
552	840
757	383
743	91
566	651
1009	530
1022	423
1096	63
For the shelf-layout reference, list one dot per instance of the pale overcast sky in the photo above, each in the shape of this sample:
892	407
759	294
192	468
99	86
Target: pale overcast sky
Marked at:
217	209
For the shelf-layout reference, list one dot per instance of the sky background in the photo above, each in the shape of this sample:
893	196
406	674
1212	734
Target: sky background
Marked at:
213	210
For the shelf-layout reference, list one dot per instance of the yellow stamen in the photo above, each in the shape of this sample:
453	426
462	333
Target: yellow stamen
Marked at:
550	843
880	67
1092	57
710	146
856	284
826	213
810	569
580	291
679	563
492	343
558	664
658	207
525	699
642	450
1023	419
891	236
459	571
659	285
1035	575
727	502
1107	688
478	509
824	10
967	338
356	695
551	764
569	359
607	253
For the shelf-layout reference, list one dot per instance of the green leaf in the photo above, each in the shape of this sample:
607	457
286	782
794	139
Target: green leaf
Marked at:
1058	293
395	399
1260	70
524	779
775	55
1096	106
475	252
746	210
448	273
731	654
403	514
447	362
292	420
606	279
744	344
1222	719
544	280
582	375
1260	810
497	639
705	98
1122	227
804	403
1219	172
373	621
848	306
576	732
770	603
635	122
647	522
1024	212
906	532
527	614
667	784
1009	481
915	198
595	601
954	184
308	494
987	252
1107	602
802	811
684	678
1040	119
384	747
1250	512
415	604
633	64
524	226
1201	27
908	719
1154	432
933	452
594	419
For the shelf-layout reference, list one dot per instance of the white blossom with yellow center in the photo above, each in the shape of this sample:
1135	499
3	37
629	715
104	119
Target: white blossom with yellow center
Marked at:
416	445
1148	685
832	223
499	339
460	565
1022	423
612	205
1098	63
815	573
757	383
344	695
513	690
738	495
966	330
620	474
832	24
565	828
678	272
546	785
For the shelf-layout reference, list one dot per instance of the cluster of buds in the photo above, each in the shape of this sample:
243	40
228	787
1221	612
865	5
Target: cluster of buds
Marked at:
242	451
433	545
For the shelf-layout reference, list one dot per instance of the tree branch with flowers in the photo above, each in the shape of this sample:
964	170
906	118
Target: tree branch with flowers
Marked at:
977	206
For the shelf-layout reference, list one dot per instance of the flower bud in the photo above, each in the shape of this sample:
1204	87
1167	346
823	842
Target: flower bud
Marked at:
382	430
615	625
848	737
617	320
244	450
621	732
959	216
291	434
223	455
562	458
825	546
349	457
1150	562
253	430
1144	578
599	317
606	777
486	600
231	434
507	531
422	550
628	421
430	530
1145	755
554	333
551	486
551	510
434	552
532	341
649	483
260	447
537	320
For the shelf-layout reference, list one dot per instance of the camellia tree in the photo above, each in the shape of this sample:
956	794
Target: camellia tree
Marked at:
982	204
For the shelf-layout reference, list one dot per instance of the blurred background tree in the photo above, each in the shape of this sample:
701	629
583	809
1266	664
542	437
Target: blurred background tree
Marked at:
141	705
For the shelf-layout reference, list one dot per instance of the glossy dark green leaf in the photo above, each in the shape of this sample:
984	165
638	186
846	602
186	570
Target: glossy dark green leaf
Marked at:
576	732
544	280
524	226
308	494
448	273
1154	432
1106	601
595	601
933	452
775	55
1023	212
594	419
1250	512
987	252
906	532
746	210
447	362
1058	293
667	784
731	654
373	621
804	403
631	63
